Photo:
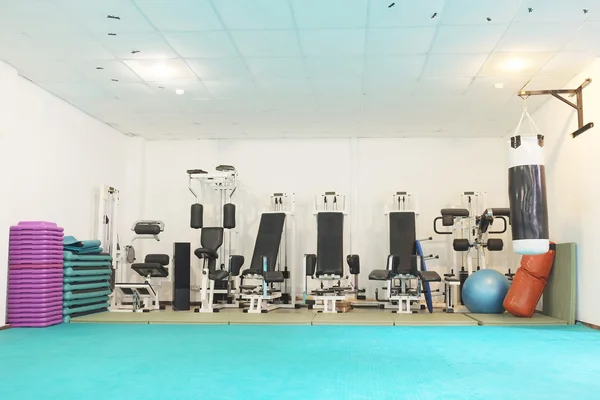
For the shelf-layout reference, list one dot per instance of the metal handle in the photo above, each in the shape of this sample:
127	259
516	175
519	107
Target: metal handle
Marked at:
504	228
435	227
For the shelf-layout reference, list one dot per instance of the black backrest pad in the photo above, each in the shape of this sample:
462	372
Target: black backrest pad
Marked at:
268	240
162	259
330	243
402	240
211	238
146	229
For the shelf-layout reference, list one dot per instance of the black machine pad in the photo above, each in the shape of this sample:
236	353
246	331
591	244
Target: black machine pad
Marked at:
311	264
273	276
267	242
380	275
218	275
330	244
429	276
403	235
211	238
162	259
146	229
206	253
154	270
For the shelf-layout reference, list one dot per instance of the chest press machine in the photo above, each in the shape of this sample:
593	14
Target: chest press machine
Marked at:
471	232
268	283
405	274
327	266
144	296
215	245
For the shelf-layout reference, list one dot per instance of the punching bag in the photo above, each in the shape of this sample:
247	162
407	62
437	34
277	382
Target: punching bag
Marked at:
527	195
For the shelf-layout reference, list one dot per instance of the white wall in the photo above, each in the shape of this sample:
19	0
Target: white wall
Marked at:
368	171
572	175
53	160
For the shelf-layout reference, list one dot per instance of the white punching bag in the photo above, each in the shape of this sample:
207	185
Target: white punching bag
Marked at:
527	195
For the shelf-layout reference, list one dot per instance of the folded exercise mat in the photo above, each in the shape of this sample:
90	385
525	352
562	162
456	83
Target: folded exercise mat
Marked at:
79	309
68	256
81	246
68	318
70	287
35	266
87	271
33	290
85	302
86	264
25	303
37	234
35	260
85	294
24	280
35	322
86	278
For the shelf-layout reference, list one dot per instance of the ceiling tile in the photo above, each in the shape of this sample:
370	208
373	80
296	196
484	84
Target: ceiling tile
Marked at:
93	14
507	64
550	81
277	68
231	89
400	41
281	88
272	43
138	46
202	44
50	71
476	12
343	87
342	67
386	69
405	13
160	70
217	69
331	42
71	47
104	70
255	14
467	39
78	90
568	63
330	14
561	11
454	66
180	15
192	89
586	39
537	37
36	18
127	90
483	90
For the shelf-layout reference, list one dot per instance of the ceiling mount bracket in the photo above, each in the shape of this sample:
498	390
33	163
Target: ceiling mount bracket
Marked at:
577	106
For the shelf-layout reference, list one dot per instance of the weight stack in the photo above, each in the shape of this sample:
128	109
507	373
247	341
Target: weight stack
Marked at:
181	282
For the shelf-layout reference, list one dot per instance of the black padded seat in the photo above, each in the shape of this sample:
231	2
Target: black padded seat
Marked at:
273	276
380	275
154	270
218	275
429	276
206	253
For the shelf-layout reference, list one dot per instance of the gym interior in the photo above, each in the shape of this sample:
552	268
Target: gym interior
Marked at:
259	199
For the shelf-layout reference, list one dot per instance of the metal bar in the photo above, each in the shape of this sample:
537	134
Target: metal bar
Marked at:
579	131
546	92
579	108
565	100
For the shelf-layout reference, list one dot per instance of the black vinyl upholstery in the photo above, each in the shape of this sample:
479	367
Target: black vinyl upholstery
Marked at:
162	259
154	270
211	238
330	244
267	242
146	229
402	259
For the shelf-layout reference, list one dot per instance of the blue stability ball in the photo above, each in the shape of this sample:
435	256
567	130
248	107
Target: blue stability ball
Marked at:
484	292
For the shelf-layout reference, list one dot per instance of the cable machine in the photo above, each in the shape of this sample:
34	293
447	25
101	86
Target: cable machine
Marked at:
108	215
224	183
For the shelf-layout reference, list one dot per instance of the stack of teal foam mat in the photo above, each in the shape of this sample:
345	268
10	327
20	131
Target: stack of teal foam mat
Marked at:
87	274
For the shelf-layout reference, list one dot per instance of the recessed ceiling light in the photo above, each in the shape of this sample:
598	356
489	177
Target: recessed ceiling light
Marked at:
499	85
515	64
179	91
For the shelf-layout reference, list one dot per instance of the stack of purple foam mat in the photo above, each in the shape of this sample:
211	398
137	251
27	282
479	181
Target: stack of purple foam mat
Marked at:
35	274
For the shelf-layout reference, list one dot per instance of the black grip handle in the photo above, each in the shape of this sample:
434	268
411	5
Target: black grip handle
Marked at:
504	228
435	227
196	171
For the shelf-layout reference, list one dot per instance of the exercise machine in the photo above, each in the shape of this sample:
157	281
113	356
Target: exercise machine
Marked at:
218	288
470	228
268	283
327	266
108	214
144	296
406	277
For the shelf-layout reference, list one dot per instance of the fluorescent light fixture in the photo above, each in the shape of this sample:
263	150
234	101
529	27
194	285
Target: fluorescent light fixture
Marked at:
152	70
515	64
179	91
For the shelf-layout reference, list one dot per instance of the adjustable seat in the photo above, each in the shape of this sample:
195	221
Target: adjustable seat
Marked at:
263	264
403	263
145	296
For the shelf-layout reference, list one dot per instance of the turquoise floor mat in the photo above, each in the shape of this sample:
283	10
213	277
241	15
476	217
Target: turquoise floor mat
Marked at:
168	362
